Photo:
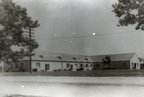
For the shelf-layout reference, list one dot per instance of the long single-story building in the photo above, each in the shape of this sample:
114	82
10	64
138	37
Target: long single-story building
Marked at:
44	61
55	62
116	61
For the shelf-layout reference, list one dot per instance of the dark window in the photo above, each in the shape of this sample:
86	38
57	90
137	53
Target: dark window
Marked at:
59	57
124	64
68	64
97	65
74	58
81	65
47	66
91	65
86	65
41	56
86	59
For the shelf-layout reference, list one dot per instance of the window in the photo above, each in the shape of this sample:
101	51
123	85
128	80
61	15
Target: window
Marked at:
38	65
86	65
124	64
68	64
132	64
59	57
91	65
47	66
74	58
41	56
76	65
97	65
81	65
86	59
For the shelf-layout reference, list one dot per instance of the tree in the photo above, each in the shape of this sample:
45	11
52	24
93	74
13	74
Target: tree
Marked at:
130	12
106	61
14	20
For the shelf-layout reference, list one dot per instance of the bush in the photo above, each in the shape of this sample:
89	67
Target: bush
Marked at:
35	70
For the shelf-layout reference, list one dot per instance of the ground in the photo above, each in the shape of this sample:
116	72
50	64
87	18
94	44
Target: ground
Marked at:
94	73
49	86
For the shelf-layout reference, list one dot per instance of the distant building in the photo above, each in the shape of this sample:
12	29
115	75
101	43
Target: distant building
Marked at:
117	61
44	61
142	63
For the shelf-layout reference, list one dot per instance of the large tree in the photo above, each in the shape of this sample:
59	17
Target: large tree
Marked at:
14	21
130	12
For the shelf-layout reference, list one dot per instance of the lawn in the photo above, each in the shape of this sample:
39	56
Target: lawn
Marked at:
94	73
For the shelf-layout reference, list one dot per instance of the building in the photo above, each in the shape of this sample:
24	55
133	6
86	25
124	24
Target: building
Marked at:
44	61
141	63
116	61
55	62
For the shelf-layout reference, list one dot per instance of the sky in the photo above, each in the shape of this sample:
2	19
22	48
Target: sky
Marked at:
67	26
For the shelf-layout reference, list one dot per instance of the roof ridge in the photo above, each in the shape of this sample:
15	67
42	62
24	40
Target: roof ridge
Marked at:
112	54
39	52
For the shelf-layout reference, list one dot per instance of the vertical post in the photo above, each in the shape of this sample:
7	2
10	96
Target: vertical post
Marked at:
30	57
62	66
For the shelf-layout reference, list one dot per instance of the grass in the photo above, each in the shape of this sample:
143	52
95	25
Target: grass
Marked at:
94	73
12	95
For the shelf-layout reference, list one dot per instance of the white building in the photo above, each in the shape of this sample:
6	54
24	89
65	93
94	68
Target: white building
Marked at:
55	62
43	61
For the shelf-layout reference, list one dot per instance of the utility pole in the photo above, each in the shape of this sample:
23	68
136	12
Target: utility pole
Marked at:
30	57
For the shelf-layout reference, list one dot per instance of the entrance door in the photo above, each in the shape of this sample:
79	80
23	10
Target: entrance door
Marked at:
46	66
71	67
134	67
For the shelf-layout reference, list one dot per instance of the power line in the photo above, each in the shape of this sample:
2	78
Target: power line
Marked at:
49	38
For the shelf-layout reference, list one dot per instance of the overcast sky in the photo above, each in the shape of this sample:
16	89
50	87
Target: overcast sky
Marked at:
66	26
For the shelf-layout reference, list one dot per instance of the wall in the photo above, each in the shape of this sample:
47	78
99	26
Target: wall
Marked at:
53	66
77	66
113	65
134	62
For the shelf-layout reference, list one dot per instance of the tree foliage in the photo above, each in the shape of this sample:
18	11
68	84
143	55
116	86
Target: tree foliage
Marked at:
130	12
14	20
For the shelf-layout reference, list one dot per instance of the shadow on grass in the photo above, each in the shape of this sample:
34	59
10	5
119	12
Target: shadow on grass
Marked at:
21	96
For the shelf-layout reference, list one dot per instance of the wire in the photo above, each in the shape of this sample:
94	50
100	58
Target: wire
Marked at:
86	35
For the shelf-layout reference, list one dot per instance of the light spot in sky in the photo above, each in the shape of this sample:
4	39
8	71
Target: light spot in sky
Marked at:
94	33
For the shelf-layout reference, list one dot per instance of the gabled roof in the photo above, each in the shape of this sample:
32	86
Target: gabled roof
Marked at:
114	57
59	57
48	56
141	59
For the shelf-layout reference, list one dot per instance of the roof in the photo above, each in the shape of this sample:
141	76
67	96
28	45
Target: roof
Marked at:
114	57
59	57
47	56
141	59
